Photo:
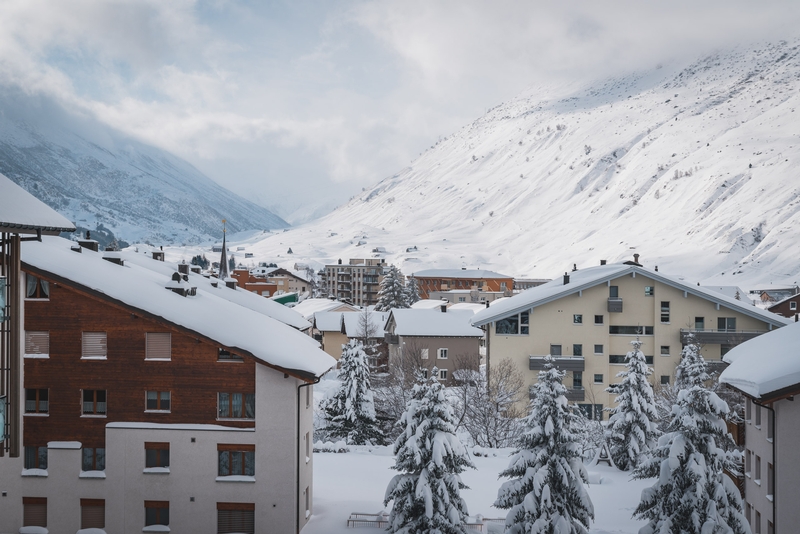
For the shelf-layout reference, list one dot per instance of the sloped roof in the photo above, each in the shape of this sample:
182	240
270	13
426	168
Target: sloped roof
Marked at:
730	291
432	323
309	307
207	315
474	307
583	279
21	212
459	273
352	323
328	321
429	304
765	365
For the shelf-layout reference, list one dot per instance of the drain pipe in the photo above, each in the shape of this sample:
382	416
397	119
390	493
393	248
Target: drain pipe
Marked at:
297	475
774	462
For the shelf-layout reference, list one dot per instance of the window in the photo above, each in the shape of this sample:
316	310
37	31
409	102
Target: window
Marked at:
36	288
649	291
157	401
613	292
443	374
514	325
34	511
631	330
770	480
425	373
770	528
665	350
700	323
236	460
648	360
93	459
616	358
758	523
726	324
158	346
555	350
94	345
236	405
598	319
770	425
664	311
758	470
236	517
598	349
37	343
156	513
308	395
577	319
94	402
441	354
93	513
592	411
748	511
664	380
577	349
227	356
577	380
35	457
36	401
156	454
424	354
793	305
598	379
748	461
748	410
757	410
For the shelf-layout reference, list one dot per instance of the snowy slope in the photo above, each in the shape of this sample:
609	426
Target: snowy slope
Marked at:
691	166
95	176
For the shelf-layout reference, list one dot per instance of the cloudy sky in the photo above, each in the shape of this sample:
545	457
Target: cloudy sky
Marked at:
296	102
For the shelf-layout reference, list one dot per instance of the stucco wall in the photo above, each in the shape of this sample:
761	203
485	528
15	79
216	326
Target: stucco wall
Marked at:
458	348
787	472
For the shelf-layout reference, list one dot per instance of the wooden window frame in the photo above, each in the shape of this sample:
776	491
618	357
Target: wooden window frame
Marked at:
155	344
95	403
95	464
230	412
88	522
37	400
237	516
159	401
37	458
233	449
158	506
39	290
160	447
224	355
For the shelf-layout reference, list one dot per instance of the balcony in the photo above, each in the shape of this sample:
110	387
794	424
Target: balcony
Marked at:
573	394
710	336
391	339
563	363
614	305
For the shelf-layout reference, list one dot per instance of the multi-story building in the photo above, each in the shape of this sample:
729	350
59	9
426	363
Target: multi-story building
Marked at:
588	318
454	296
356	282
788	307
339	328
471	279
156	402
767	371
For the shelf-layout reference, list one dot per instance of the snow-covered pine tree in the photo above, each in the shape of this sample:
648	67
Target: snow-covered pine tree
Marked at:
429	457
692	369
392	293
546	494
351	411
632	430
412	290
692	495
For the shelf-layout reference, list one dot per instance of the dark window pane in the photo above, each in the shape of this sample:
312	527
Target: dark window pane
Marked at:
224	405
164	458
42	457
250	463
250	406
577	350
165	400
236	463
152	400
613	292
150	516
151	458
508	325
224	464
87	463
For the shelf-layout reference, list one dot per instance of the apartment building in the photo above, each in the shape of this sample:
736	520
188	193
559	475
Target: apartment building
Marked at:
588	318
357	281
156	402
767	371
431	280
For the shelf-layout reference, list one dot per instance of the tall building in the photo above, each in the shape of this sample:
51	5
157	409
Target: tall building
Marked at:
464	279
357	281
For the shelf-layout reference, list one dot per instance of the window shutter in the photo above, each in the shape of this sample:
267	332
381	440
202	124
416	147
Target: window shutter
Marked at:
235	517
159	346
93	513
37	342
34	513
94	345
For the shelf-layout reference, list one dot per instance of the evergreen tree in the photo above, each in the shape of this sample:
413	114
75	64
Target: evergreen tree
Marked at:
631	427
412	290
546	494
429	457
392	293
351	411
692	369
692	494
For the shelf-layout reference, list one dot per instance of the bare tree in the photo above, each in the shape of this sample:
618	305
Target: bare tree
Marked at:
489	408
393	389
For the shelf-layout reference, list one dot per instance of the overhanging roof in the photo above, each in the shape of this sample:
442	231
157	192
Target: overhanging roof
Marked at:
22	213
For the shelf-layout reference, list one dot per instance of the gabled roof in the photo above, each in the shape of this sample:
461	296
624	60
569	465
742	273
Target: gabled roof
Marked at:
22	213
767	365
309	307
352	323
471	274
583	279
207	315
730	291
432	323
429	304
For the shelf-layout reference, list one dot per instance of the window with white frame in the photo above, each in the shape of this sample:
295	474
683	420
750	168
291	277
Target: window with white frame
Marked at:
94	345
515	325
665	350
577	318
424	354
598	349
441	354
443	374
598	378
598	319
158	346
793	305
37	344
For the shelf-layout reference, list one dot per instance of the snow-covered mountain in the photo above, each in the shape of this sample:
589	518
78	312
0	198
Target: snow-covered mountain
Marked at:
112	184
692	166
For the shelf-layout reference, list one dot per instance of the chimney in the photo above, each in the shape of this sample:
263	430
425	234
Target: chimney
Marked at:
656	268
444	307
487	303
183	268
574	267
89	243
636	258
566	278
76	248
602	262
113	257
230	282
340	261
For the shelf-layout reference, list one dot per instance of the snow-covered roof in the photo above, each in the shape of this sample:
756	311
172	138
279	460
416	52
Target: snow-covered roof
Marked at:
239	296
474	307
471	274
209	314
730	291
411	322
429	304
21	212
765	365
309	307
328	321
583	279
352	323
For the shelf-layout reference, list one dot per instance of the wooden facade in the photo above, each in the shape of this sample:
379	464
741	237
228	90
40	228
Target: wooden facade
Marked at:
193	375
429	284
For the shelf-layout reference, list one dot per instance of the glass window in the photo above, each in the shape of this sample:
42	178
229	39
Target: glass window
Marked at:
555	350
226	355
36	401
94	402
613	292
524	326
726	324
236	405
598	349
93	459
158	346
35	457
598	319
442	354
649	291
665	350
508	325
36	288
793	305
443	374
598	379
664	380
37	342
577	349
156	513
233	460
664	311
94	345
616	358
158	401
156	454
577	318
630	330
577	380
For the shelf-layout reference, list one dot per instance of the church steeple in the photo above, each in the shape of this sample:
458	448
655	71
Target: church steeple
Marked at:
223	261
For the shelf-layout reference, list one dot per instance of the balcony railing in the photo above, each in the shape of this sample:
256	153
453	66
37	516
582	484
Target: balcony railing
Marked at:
391	339
614	305
564	363
721	336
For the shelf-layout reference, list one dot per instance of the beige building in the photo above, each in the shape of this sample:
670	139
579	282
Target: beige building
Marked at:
767	371
357	282
338	328
588	318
